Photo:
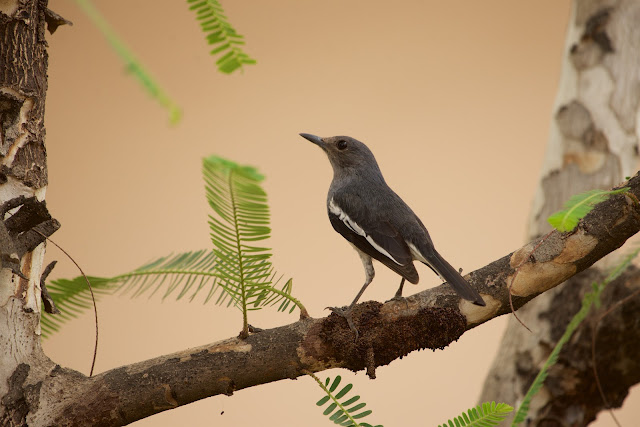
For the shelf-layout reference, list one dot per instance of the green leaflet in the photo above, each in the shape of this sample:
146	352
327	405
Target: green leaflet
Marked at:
132	63
181	275
236	272
192	271
578	207
72	298
589	299
221	35
488	414
245	273
341	412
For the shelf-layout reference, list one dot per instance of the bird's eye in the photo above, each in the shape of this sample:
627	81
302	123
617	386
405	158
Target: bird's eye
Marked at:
342	144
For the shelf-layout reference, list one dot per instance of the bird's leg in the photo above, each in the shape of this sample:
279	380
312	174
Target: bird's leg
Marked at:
347	313
355	300
398	296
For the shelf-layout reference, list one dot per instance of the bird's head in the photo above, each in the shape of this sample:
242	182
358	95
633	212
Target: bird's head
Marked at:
345	153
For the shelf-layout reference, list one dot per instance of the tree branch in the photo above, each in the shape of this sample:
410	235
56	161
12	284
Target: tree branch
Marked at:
430	319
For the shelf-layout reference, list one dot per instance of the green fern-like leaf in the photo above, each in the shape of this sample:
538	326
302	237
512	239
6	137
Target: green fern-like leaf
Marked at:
486	415
578	207
72	297
190	271
345	412
221	35
242	219
588	300
236	270
193	271
132	64
187	274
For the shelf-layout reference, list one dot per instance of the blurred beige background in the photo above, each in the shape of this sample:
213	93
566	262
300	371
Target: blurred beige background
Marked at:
454	98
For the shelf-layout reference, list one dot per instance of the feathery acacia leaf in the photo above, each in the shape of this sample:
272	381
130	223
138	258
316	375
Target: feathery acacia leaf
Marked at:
578	207
221	35
181	275
341	413
72	297
245	271
485	415
183	269
236	270
132	64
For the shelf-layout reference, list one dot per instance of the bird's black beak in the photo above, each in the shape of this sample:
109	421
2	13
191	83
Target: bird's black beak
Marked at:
315	139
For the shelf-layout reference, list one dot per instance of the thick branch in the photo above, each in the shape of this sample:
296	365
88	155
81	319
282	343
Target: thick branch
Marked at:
430	319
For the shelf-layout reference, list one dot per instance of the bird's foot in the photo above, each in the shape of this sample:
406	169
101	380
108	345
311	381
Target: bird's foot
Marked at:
347	314
400	298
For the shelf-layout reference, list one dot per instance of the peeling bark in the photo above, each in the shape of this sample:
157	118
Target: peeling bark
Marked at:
23	180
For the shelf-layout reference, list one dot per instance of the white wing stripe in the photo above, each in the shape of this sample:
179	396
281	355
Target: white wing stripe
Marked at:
353	226
417	255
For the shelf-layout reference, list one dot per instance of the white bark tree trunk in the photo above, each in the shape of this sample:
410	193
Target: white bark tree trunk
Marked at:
23	86
593	143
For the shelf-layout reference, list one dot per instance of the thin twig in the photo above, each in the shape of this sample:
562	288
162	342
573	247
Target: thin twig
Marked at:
593	351
632	197
93	298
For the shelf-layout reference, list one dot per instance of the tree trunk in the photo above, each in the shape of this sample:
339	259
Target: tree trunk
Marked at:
593	143
23	176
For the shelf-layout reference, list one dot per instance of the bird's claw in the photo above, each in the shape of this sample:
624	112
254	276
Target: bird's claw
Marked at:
347	314
400	298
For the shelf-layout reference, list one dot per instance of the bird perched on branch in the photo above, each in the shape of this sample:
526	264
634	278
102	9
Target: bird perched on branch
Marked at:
377	222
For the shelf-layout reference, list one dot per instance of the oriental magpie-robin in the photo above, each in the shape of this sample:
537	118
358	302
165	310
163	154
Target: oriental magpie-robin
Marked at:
377	222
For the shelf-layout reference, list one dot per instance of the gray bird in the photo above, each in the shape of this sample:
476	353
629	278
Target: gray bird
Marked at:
377	222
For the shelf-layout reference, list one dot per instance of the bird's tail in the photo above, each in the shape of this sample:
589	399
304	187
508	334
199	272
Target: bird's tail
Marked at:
452	277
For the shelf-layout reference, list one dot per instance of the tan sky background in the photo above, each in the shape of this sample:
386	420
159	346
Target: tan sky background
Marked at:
454	98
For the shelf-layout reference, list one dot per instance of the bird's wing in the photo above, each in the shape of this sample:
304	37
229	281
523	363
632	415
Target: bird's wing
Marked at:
376	237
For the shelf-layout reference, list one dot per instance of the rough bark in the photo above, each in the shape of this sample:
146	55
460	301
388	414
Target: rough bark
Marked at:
593	144
571	395
430	319
23	180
